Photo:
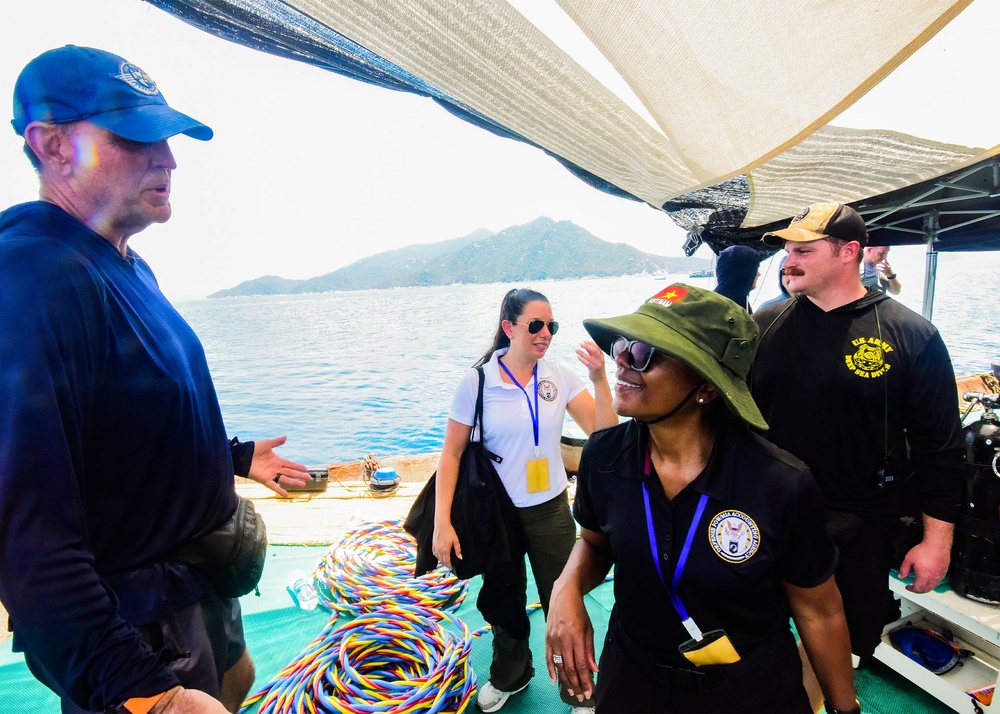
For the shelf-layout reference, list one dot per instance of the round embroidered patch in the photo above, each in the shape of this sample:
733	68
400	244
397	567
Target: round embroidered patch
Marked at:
734	536
138	80
547	390
870	359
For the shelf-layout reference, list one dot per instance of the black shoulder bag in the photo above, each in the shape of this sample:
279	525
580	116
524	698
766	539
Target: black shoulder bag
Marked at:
482	513
233	555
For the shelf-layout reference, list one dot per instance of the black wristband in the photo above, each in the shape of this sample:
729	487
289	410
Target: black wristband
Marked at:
890	277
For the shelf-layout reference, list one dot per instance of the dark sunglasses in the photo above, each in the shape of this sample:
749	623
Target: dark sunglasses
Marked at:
639	353
535	326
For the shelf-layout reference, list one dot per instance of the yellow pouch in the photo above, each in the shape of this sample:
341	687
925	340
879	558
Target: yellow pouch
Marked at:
538	475
713	648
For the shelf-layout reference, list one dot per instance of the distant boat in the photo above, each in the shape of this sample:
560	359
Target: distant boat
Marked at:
708	273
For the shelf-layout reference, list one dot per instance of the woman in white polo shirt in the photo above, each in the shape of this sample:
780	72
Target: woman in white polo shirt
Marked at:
525	400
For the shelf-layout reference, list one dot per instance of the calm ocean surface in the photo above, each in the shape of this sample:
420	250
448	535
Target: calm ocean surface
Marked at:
345	374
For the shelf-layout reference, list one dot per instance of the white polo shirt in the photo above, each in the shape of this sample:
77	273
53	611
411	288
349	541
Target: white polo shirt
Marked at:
509	431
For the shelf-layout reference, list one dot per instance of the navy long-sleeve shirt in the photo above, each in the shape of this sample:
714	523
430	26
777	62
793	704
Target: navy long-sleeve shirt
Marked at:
112	453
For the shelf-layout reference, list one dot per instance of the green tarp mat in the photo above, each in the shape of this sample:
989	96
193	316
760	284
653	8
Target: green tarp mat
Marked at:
277	631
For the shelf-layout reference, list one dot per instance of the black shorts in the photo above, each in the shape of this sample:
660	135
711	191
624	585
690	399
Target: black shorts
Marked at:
199	642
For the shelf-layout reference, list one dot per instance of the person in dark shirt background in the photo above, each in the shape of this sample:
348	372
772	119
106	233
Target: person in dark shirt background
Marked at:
736	274
782	286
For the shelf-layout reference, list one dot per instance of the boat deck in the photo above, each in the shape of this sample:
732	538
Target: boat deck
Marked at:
301	529
321	518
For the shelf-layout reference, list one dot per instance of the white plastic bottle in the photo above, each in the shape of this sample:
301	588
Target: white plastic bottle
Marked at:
301	589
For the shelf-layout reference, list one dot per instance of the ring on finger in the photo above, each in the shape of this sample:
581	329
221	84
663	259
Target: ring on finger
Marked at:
557	660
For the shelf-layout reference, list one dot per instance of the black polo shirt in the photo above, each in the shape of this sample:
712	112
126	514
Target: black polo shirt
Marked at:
764	523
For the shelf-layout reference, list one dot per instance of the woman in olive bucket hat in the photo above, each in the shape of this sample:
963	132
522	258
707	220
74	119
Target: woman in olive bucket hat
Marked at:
717	536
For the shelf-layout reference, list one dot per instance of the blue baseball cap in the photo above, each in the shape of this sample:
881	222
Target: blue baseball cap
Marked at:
72	83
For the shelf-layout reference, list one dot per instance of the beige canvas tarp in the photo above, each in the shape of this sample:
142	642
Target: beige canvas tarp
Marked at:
685	94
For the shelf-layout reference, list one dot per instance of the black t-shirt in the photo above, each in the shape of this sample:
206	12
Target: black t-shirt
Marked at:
863	387
764	523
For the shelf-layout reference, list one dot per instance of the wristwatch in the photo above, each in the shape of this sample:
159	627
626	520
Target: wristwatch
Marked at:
890	277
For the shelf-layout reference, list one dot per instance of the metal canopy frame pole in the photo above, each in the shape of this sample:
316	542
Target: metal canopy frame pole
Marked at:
931	227
963	199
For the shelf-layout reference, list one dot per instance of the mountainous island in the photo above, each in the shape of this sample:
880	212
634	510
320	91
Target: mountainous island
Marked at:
543	249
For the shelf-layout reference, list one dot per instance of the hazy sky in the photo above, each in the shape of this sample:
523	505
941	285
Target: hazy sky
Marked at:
309	171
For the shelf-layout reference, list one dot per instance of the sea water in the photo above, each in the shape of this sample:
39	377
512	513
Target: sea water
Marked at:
348	373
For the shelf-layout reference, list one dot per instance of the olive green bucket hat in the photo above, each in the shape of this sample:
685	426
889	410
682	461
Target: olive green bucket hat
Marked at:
709	333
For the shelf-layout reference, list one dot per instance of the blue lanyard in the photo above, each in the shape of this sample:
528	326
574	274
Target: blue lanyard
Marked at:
533	412
686	619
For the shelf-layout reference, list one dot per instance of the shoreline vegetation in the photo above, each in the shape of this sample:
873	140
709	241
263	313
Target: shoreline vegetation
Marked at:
543	249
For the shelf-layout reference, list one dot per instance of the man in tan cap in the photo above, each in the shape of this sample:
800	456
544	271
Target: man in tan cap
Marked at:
862	389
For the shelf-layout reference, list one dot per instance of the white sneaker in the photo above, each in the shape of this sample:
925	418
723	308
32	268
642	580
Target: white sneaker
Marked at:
490	699
581	710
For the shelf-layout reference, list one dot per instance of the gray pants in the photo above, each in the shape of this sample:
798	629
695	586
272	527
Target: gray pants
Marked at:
550	534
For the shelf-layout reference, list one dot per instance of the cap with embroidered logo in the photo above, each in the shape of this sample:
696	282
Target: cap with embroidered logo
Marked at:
72	83
706	331
822	220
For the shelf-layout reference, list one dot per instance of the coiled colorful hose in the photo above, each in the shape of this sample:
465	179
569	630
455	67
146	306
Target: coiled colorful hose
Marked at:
404	652
403	659
372	566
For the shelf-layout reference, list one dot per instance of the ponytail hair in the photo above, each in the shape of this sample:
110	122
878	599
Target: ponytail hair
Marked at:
511	308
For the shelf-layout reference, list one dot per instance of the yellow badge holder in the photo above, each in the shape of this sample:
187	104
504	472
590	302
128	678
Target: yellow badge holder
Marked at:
538	475
712	647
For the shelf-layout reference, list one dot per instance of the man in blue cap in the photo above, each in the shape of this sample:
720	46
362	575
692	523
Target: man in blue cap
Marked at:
112	448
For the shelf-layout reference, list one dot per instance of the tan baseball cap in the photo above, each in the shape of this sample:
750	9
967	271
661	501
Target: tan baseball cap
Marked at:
819	221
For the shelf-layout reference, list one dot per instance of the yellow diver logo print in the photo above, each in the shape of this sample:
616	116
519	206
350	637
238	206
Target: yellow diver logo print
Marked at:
869	358
547	390
734	536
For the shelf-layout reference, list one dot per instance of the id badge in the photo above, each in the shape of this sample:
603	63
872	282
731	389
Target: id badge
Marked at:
713	648
538	475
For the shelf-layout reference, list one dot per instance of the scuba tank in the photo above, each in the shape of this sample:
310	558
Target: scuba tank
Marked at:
975	569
